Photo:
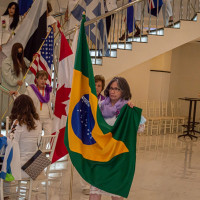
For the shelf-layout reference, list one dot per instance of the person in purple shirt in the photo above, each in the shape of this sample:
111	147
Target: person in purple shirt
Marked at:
99	84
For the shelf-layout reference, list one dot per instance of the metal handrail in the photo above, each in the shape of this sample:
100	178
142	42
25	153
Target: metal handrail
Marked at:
103	16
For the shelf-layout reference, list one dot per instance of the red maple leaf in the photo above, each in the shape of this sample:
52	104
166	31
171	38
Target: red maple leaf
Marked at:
62	95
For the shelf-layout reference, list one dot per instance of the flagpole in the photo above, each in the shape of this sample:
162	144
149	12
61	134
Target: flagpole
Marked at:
71	181
69	18
72	167
50	28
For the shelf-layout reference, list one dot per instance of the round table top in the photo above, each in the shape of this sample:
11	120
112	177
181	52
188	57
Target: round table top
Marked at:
189	99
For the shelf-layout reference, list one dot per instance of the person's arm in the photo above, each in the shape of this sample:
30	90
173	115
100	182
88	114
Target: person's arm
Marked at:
53	99
54	27
7	73
27	63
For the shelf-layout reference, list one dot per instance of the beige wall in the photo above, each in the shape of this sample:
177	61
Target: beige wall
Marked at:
162	62
185	76
140	78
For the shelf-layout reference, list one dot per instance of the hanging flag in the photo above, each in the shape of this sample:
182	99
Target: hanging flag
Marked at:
103	155
44	59
24	5
32	30
11	167
130	18
93	9
154	6
65	73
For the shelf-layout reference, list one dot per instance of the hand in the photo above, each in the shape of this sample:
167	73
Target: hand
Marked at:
130	104
35	56
20	83
15	93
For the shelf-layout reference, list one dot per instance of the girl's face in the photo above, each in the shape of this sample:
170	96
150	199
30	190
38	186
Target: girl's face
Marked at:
11	11
41	82
98	86
115	92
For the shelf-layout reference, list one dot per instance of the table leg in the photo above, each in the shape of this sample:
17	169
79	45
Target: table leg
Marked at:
189	123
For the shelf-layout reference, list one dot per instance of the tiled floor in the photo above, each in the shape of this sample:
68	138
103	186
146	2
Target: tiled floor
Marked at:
166	168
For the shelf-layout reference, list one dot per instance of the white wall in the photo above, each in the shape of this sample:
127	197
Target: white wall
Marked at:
159	86
185	72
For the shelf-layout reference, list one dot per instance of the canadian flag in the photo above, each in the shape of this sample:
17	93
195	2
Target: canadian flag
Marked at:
65	73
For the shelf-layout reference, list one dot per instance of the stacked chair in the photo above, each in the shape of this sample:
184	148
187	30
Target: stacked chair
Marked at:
162	117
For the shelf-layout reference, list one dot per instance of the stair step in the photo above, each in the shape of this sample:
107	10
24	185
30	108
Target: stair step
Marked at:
121	45
159	31
194	18
143	39
175	25
97	61
113	53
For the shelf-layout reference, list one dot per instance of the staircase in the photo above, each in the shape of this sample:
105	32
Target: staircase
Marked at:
153	45
124	55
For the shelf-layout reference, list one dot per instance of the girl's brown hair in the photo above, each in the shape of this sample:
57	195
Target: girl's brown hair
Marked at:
123	86
18	63
49	7
100	78
41	73
24	111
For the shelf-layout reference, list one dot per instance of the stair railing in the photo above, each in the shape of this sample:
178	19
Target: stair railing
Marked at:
148	24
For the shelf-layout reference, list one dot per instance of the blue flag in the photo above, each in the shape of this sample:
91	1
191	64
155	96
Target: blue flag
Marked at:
93	9
130	15
24	5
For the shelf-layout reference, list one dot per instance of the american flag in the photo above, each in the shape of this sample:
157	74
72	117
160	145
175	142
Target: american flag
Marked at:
152	6
44	58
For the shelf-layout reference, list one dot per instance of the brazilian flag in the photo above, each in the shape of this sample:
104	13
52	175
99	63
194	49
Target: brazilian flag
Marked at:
103	155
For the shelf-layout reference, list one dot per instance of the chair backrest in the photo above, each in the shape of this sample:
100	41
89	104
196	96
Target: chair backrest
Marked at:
176	108
48	143
153	109
164	108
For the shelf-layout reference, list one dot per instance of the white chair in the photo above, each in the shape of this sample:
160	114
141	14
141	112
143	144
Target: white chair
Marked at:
166	120
47	145
178	120
153	116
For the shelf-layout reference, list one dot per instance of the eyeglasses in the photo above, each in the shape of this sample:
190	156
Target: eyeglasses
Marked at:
114	89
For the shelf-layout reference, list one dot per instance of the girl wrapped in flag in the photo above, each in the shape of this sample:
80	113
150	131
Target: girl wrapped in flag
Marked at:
117	94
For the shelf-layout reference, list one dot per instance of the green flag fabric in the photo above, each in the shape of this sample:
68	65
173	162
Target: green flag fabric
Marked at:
103	155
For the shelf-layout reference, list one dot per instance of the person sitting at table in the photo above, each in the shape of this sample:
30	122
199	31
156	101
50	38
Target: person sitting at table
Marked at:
25	128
